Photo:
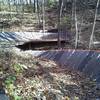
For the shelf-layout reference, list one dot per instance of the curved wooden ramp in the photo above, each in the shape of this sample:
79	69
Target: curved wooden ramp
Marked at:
85	61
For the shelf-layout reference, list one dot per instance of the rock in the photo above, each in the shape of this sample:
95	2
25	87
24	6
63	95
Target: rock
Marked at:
3	96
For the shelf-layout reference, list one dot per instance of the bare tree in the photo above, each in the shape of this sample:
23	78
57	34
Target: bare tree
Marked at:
38	11
30	2
59	21
72	16
9	4
15	4
43	11
76	26
92	34
34	6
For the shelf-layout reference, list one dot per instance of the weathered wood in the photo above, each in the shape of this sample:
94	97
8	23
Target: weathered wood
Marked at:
33	45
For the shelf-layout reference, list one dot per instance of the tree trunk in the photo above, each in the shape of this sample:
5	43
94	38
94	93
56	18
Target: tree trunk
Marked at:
34	7
15	4
43	11
72	16
30	2
38	12
92	34
59	21
76	27
9	9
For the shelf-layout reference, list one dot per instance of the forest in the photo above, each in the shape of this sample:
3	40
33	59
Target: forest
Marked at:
49	49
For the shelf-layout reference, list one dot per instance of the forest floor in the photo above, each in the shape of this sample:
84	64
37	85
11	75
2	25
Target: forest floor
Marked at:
24	77
26	22
18	22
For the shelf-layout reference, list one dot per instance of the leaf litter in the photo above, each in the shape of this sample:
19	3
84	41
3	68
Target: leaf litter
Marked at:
31	78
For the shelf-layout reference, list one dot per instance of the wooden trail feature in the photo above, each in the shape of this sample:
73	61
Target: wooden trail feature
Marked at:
40	44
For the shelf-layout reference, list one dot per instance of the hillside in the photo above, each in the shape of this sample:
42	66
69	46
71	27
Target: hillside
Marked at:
26	78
